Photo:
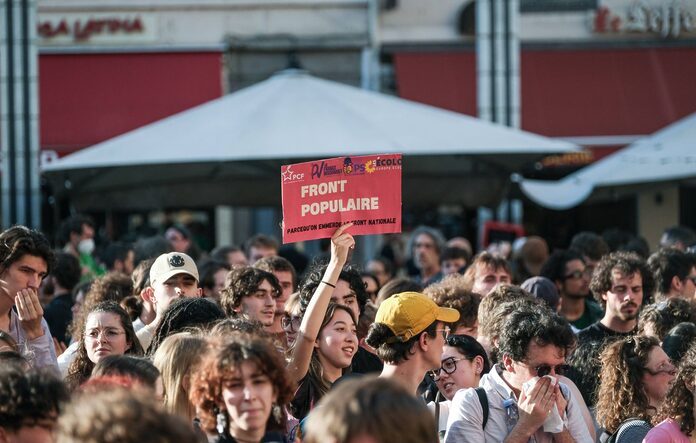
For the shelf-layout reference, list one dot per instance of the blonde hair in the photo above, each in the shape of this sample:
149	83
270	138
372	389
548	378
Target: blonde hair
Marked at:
176	358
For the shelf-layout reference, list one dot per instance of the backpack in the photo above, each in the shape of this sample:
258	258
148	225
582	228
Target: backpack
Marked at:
612	438
483	398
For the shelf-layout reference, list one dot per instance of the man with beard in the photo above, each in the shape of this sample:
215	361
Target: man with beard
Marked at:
568	271
426	246
621	283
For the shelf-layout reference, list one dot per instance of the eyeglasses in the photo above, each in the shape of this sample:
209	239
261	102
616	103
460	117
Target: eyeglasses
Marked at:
445	332
665	368
449	365
290	322
544	370
110	334
692	278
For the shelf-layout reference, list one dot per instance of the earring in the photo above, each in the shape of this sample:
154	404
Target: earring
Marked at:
277	412
221	418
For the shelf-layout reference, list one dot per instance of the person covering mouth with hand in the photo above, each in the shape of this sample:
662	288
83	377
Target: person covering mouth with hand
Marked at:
25	259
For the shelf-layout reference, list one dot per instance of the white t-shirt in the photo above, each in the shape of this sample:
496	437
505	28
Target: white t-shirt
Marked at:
444	413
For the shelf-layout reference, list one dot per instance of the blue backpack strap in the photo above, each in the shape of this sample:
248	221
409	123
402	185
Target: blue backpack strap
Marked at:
483	399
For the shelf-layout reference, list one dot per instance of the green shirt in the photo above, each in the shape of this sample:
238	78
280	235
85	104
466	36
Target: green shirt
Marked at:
593	313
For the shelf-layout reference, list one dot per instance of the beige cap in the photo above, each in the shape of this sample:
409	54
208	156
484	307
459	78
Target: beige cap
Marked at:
173	263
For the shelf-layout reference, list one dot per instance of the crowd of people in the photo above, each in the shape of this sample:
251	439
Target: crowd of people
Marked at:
428	342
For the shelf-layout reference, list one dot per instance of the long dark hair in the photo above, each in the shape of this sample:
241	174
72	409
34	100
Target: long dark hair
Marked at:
81	368
318	384
469	348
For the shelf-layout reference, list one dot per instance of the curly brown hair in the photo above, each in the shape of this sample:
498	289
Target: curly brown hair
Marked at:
621	394
114	286
627	264
679	402
224	358
488	317
451	292
664	315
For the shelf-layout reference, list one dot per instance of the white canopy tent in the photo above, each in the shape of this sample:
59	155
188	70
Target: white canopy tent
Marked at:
229	150
667	155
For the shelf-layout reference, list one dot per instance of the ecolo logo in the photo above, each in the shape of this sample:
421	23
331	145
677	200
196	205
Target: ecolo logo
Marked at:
383	164
291	176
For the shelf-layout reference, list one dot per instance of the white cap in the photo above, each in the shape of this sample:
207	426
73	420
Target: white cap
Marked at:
173	263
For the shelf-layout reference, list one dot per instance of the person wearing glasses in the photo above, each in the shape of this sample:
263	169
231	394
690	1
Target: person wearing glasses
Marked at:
636	374
675	418
463	362
291	319
107	331
675	274
572	279
522	389
409	335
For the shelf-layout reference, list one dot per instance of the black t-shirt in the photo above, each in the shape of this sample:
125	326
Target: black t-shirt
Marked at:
599	333
585	364
365	362
58	315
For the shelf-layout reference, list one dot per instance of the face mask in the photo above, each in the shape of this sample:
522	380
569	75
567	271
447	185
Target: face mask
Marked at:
86	246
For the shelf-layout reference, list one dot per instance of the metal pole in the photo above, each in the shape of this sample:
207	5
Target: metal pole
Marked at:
19	114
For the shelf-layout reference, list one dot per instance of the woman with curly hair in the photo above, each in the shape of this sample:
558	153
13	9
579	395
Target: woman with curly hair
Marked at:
636	374
107	331
240	389
674	420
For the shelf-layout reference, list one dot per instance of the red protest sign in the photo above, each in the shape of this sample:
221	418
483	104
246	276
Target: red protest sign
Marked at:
321	195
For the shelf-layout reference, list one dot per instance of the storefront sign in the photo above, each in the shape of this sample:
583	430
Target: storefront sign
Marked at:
320	196
96	29
666	18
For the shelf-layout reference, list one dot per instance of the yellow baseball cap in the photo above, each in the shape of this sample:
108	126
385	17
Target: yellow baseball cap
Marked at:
409	313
